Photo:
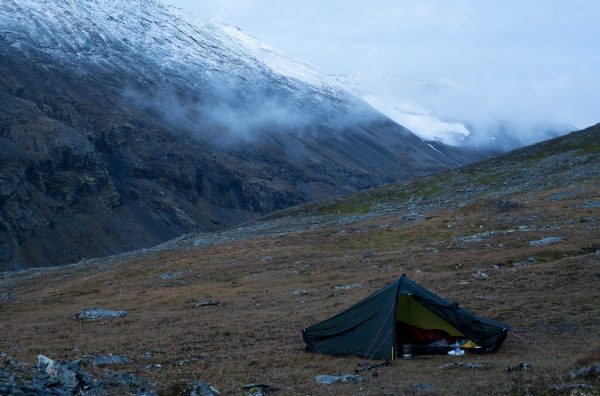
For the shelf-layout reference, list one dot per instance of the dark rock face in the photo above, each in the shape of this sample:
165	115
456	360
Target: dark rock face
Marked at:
92	163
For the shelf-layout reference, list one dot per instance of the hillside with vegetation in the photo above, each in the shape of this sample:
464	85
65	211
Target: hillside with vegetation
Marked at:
514	238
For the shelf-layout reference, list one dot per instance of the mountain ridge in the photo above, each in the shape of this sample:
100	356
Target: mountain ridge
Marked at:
139	125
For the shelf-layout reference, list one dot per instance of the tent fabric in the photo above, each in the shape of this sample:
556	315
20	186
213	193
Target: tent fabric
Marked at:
368	328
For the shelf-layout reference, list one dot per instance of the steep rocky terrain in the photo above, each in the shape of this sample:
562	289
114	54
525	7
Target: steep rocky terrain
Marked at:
124	124
514	238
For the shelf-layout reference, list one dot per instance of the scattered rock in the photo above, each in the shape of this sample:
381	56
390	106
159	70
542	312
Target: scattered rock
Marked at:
476	366
266	259
98	314
348	287
332	379
167	275
153	367
368	254
546	241
200	388
300	292
6	296
109	360
206	303
520	367
567	387
481	275
420	387
586	372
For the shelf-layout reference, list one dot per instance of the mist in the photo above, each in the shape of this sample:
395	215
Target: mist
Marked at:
502	73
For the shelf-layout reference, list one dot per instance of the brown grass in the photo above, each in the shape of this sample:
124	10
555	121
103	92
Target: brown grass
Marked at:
254	334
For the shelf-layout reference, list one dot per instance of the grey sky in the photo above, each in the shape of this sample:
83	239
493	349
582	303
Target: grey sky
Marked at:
523	61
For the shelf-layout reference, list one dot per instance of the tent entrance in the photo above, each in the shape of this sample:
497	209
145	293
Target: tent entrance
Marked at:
418	325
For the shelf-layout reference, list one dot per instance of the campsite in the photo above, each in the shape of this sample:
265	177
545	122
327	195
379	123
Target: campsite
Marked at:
517	250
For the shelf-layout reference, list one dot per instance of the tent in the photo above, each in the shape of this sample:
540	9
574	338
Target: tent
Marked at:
402	312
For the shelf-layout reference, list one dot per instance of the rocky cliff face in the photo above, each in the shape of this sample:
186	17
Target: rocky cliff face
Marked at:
125	124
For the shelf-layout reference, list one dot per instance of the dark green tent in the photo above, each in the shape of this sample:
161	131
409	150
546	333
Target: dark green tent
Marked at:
402	312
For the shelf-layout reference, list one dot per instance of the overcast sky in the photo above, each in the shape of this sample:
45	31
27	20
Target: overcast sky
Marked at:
470	61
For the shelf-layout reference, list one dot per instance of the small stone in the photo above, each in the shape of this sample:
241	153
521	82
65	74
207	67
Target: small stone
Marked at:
206	303
481	275
368	254
520	367
259	389
348	287
300	292
153	367
266	259
546	241
6	296
332	379
98	313
126	379
147	355
420	387
586	372
201	388
109	360
167	275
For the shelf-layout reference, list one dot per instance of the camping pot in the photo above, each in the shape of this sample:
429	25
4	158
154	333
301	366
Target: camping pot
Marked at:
407	351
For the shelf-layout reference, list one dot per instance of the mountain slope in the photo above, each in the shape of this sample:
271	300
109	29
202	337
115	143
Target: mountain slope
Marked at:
514	239
124	124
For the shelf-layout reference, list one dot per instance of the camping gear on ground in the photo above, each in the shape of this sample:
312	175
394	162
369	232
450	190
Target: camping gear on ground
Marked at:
402	312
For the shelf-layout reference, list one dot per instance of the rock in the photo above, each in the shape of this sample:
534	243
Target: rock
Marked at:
109	360
266	259
153	367
200	388
591	205
300	292
332	379
481	275
420	387
98	314
546	241
167	275
49	366
6	296
520	367
348	287
586	372
206	303
476	366
147	355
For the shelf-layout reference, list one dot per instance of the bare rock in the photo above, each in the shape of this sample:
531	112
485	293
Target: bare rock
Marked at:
98	314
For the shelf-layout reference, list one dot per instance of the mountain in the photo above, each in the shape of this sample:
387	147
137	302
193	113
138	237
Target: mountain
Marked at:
124	124
513	238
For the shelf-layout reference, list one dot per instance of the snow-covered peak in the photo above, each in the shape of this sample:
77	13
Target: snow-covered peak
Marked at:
142	34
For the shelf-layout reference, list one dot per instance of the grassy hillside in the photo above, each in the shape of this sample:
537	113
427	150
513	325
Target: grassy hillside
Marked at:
470	235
